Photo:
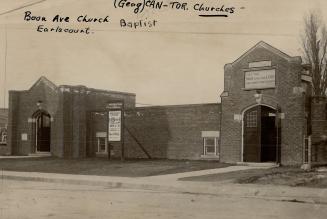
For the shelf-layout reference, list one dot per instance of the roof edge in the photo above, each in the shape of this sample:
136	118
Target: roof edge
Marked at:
47	81
266	46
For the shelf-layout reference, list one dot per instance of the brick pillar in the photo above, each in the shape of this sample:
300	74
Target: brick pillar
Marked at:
79	122
12	122
319	129
67	122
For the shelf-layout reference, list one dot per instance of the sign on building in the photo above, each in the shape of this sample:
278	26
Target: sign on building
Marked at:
259	79
115	105
115	125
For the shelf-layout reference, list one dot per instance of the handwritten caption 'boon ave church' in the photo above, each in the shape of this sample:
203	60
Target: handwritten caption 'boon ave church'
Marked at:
130	6
64	19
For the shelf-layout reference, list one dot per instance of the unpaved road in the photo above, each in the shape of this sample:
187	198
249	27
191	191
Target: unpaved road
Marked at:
23	200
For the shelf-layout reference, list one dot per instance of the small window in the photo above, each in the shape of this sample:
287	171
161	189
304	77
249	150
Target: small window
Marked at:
46	121
3	136
102	145
210	145
251	119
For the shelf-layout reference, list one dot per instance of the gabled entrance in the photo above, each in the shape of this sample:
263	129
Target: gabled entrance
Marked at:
42	131
260	135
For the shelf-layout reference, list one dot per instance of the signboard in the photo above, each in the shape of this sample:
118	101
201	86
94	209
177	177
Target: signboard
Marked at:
115	125
259	79
259	64
208	134
24	136
116	105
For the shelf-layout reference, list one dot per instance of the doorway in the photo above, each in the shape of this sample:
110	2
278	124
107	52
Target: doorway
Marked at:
260	135
42	131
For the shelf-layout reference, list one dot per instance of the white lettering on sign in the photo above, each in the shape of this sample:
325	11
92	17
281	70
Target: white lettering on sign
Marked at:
117	105
115	120
259	79
259	64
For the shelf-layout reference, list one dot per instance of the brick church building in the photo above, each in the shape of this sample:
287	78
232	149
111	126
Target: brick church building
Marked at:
266	114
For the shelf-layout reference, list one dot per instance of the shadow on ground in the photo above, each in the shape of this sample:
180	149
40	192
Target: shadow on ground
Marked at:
287	176
105	167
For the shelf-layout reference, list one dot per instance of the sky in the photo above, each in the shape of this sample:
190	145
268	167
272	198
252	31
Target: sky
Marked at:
179	61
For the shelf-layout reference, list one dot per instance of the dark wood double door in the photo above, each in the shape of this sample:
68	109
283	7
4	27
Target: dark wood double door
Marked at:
43	126
260	135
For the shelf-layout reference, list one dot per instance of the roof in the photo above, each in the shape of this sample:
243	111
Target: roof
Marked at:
267	46
178	106
53	86
46	81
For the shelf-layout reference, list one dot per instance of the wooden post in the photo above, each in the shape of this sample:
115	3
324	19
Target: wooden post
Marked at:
108	143
277	130
122	132
309	151
304	150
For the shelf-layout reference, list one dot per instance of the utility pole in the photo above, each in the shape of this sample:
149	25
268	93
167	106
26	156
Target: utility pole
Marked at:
5	69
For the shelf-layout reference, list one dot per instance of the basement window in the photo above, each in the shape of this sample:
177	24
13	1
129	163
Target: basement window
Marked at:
102	145
210	143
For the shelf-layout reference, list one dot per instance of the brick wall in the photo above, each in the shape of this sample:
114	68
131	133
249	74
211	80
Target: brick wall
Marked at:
68	107
319	129
22	105
4	148
172	132
235	100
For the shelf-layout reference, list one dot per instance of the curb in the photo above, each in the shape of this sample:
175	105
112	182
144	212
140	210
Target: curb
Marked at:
107	184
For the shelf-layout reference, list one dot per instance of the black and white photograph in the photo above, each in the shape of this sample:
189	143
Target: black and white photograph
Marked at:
142	109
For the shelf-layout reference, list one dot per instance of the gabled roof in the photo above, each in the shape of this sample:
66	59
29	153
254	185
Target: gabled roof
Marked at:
54	87
46	81
268	47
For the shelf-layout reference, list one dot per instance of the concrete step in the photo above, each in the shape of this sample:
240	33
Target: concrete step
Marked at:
254	164
40	154
209	157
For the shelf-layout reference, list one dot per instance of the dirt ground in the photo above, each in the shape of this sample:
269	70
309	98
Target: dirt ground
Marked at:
34	200
288	176
104	167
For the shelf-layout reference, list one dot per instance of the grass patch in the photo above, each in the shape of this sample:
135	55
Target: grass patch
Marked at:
105	167
287	176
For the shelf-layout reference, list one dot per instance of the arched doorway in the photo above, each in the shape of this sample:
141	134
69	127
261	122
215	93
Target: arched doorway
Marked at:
261	134
42	131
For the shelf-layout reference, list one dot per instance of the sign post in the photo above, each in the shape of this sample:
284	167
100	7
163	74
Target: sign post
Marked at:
116	125
277	117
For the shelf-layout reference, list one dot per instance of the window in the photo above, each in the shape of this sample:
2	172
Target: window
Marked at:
101	142
102	145
210	145
3	136
251	119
